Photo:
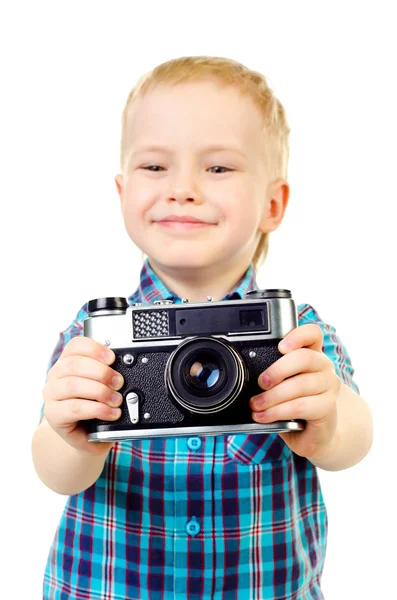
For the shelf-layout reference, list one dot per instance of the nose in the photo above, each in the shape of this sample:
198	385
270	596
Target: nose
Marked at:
184	189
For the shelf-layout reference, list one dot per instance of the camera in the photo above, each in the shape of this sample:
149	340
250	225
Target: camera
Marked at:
190	368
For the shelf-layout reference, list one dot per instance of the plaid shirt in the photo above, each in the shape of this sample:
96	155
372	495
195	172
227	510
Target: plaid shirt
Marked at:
221	518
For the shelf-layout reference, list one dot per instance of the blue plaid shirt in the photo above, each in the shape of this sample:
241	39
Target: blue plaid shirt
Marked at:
221	518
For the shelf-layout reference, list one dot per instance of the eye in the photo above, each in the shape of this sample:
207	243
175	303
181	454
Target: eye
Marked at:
219	167
157	168
153	168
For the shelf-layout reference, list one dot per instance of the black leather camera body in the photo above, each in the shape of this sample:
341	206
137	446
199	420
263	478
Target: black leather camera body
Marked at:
190	368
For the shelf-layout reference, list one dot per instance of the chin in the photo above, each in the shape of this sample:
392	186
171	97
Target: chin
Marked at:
190	260
186	260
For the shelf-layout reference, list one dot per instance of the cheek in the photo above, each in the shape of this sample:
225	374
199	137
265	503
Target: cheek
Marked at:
137	201
242	212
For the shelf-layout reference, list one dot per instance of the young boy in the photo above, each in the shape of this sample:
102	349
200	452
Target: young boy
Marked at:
204	155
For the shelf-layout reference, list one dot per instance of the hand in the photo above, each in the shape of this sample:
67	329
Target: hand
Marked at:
302	384
81	375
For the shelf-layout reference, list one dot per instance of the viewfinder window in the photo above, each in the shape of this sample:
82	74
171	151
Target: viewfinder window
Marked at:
251	318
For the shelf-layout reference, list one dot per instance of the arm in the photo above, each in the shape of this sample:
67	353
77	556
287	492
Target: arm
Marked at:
64	460
62	468
353	436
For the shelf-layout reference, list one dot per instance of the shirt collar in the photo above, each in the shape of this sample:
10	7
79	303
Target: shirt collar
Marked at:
151	287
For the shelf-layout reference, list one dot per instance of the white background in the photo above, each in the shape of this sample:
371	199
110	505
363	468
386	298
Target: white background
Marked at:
66	71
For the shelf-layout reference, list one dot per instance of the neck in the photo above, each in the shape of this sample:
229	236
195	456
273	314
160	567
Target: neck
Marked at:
197	284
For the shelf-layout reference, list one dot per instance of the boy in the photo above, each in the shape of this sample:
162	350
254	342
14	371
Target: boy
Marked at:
204	155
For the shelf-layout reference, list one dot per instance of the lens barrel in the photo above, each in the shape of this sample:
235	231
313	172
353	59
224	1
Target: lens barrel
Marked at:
204	375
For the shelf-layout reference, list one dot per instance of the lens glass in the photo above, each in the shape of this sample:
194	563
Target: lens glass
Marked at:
202	372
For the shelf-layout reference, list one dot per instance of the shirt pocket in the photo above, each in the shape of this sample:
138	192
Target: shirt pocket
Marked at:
263	449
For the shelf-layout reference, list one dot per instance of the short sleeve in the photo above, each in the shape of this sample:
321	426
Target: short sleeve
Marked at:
333	348
75	328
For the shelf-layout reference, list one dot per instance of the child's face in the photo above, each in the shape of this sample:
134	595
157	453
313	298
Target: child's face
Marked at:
226	190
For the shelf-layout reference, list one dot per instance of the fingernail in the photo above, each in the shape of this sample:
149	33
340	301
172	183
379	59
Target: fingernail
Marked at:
258	403
116	399
265	381
285	345
115	412
117	381
108	355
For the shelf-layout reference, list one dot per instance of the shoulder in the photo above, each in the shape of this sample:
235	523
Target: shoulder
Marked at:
76	328
81	315
307	314
333	346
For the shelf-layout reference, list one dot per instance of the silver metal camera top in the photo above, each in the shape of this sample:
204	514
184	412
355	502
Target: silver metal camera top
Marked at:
116	329
162	302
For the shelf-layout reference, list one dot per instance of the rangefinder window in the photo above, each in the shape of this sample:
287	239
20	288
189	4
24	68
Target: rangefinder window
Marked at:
211	320
252	318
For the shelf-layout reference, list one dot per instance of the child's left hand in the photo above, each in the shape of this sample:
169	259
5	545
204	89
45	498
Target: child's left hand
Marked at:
303	385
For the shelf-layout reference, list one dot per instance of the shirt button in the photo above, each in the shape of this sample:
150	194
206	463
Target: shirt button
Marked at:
194	443
192	527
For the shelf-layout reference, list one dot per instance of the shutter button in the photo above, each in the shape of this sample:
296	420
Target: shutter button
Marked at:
194	443
193	528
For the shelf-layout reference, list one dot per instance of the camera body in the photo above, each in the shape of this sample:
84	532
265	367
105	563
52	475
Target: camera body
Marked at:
190	368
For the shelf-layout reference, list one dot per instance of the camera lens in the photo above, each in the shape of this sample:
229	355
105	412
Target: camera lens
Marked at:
204	375
202	372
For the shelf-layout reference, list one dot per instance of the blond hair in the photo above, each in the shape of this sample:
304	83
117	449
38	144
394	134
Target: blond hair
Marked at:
250	83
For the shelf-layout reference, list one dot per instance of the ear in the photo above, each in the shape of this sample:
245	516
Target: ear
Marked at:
276	202
120	188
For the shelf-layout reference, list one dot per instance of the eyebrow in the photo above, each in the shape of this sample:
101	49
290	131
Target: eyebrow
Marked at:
204	150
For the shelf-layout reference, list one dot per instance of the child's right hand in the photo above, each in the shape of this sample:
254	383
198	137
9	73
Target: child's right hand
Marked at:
80	386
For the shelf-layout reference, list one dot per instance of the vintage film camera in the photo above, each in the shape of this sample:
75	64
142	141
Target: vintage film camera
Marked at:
190	368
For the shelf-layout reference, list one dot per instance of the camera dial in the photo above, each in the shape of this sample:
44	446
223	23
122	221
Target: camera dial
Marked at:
116	303
267	294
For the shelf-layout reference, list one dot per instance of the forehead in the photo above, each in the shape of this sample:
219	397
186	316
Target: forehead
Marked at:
192	112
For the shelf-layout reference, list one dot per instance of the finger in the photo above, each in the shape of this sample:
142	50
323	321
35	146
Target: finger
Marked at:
308	336
84	346
302	360
305	384
308	408
89	368
63	414
78	387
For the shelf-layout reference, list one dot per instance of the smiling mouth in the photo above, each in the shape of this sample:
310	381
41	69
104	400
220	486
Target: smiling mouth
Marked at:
183	219
183	225
184	222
